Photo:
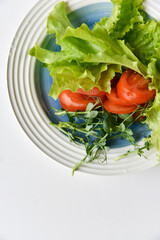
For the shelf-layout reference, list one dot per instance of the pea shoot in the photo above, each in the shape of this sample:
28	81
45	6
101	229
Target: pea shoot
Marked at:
95	127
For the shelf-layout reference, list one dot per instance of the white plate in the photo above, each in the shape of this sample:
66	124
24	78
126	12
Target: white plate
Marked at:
30	110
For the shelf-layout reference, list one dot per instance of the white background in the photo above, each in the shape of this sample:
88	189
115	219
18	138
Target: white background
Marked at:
40	200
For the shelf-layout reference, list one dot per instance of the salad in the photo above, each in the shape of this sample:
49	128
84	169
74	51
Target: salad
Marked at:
106	78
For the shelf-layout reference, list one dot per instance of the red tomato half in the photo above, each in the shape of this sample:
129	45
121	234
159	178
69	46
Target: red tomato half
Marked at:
118	109
93	92
133	88
113	97
75	101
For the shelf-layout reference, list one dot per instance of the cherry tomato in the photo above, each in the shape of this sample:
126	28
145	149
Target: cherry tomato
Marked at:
75	101
118	109
113	97
93	92
133	88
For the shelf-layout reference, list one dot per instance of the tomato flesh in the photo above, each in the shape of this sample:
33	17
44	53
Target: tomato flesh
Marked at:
75	101
133	88
118	109
93	92
113	97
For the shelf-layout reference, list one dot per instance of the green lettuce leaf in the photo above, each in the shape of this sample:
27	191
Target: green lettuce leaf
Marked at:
144	40
73	76
86	53
123	17
154	124
106	49
87	57
64	78
58	21
154	74
153	121
47	56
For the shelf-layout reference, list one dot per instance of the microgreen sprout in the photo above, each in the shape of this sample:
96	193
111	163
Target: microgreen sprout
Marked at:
96	126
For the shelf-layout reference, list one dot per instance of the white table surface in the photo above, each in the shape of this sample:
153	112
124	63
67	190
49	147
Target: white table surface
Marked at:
40	200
